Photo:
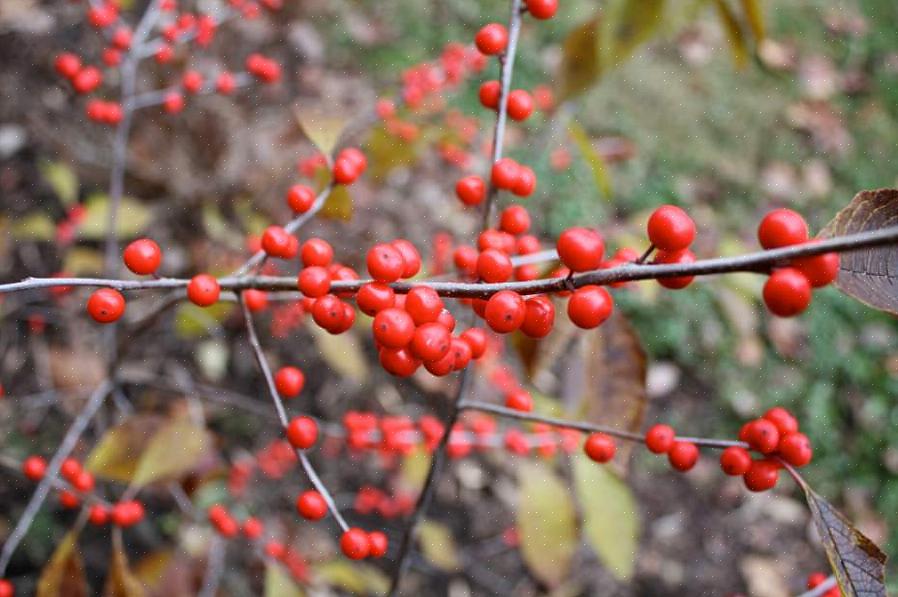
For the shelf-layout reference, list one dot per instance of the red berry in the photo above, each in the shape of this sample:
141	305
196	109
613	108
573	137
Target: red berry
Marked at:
519	104
735	461
385	263
820	270
410	257
761	476
378	544
515	219
462	352
275	550
34	467
398	361
589	306
600	447
277	242
192	81
87	79
6	588
519	400
762	435
300	198
491	39
127	514
659	439
475	338
142	256
683	455
393	328
289	381
505	311
252	528
539	317
311	505
816	579
70	469
494	266
225	83
787	292
69	500
203	290
355	544
98	515
164	54
446	320
671	229
525	183
423	304
542	9
679	258
374	297
302	432
316	251
173	102
489	94
328	312
106	305
84	482
314	281
471	190
505	173
795	448
783	420
122	38
781	228
431	342
580	249
465	259
68	65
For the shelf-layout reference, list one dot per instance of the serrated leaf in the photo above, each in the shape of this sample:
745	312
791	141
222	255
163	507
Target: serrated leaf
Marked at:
35	226
121	582
859	565
62	179
438	545
192	321
132	218
546	523
321	128
580	65
175	449
63	576
354	577
279	584
593	159
869	275
626	25
610	516
734	33
342	352
387	152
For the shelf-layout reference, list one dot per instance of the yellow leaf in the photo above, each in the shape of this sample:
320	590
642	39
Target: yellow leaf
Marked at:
36	226
117	454
63	576
279	584
387	152
438	545
322	129
353	577
83	261
413	469
592	157
546	522
580	67
626	25
121	582
132	218
62	179
734	33
610	520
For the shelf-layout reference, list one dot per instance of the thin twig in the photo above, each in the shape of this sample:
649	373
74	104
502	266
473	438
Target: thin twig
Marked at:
214	568
43	488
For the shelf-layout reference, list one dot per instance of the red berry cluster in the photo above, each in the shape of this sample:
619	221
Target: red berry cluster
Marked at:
776	437
788	290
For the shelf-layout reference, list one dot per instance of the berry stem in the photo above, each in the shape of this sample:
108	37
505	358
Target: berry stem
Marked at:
646	255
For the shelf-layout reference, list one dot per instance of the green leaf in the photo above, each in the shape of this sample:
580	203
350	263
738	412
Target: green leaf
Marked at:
354	577
321	128
132	218
121	582
580	66
63	576
35	226
734	32
343	353
859	565
592	157
626	25
610	519
438	545
546	523
279	584
62	179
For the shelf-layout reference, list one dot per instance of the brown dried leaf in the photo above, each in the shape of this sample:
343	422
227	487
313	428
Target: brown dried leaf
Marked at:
859	565
63	576
871	275
121	582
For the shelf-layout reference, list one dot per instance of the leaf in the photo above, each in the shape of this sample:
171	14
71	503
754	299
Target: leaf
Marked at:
338	204
592	157
321	128
62	179
610	517
132	218
279	584
192	321
83	261
413	470
145	449
857	562
626	25
342	352
869	275
734	33
755	18
546	522
388	152
121	582
353	577
580	66
212	358
438	545
63	576
35	226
